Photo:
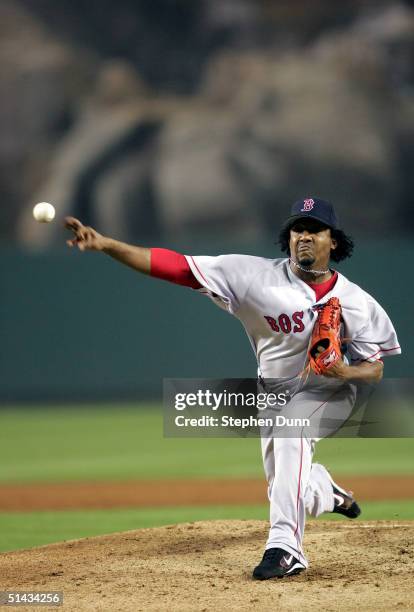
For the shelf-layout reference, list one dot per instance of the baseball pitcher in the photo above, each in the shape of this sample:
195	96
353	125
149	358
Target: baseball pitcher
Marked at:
297	312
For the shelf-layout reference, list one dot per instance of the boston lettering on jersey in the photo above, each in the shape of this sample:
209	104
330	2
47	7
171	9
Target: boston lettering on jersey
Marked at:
277	310
286	324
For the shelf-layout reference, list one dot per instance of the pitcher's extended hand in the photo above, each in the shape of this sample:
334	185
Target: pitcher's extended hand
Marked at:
84	237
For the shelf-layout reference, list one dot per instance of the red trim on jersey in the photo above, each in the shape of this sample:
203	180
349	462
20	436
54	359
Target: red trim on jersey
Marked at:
301	460
172	267
322	289
199	271
381	351
298	495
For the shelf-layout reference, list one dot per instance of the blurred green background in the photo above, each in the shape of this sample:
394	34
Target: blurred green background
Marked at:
86	345
81	326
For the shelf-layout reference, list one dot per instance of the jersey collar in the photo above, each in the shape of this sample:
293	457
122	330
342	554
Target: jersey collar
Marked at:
305	287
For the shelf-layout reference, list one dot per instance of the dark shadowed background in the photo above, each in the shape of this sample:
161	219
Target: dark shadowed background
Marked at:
190	125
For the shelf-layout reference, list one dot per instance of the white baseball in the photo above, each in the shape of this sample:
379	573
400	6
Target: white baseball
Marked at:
44	212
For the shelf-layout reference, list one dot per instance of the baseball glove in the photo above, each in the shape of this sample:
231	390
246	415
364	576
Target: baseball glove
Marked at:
325	344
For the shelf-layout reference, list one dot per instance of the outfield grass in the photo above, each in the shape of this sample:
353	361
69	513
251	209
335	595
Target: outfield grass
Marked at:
28	529
122	442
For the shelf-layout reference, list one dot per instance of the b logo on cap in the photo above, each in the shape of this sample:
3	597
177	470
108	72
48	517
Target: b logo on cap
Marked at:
307	205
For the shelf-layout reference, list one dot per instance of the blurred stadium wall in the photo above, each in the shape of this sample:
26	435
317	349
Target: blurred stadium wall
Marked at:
80	326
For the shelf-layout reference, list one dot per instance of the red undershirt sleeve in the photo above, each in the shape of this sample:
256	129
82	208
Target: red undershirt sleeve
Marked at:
173	267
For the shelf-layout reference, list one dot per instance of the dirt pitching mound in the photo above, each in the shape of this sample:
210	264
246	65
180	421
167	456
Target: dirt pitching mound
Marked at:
207	566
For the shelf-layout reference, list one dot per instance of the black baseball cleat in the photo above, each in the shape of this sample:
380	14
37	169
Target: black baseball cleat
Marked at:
277	563
344	502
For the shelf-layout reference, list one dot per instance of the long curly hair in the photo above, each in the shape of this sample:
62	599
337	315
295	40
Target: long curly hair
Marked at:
345	244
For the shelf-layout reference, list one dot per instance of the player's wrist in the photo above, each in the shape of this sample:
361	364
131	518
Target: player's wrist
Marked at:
346	372
108	245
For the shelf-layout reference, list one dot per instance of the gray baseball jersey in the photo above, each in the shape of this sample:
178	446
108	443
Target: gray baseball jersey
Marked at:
278	311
